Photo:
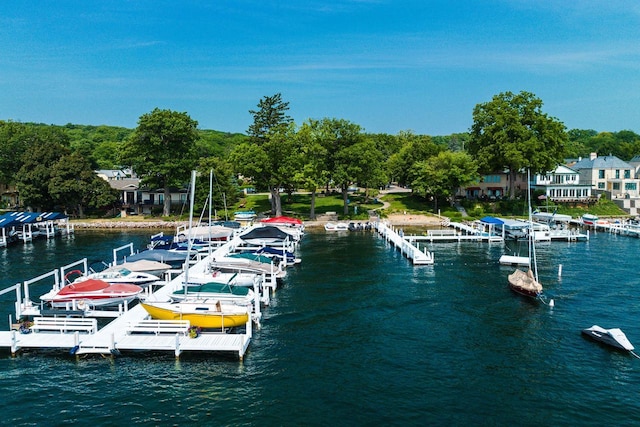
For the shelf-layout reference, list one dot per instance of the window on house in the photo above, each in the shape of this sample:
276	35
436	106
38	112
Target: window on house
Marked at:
601	173
617	173
627	174
630	186
616	186
601	185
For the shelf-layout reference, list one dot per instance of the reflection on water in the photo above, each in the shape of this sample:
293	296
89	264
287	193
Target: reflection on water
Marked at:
357	335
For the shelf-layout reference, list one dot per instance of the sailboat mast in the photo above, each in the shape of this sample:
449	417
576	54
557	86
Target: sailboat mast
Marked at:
189	237
533	264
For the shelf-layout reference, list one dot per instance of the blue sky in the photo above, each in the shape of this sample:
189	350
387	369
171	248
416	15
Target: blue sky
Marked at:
387	65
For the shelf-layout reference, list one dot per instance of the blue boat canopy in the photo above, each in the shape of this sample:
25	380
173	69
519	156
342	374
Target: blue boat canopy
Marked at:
12	219
491	220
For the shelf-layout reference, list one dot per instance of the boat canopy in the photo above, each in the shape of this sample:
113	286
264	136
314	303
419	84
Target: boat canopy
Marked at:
267	231
12	219
282	220
491	220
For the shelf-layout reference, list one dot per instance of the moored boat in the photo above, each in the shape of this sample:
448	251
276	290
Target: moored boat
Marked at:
613	337
525	283
115	275
222	291
336	226
92	292
268	235
144	266
589	219
175	259
203	313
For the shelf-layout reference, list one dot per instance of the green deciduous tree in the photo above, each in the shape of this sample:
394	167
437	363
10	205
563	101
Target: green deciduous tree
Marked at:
271	157
75	186
224	188
338	136
444	174
512	133
13	141
413	149
44	148
314	173
161	150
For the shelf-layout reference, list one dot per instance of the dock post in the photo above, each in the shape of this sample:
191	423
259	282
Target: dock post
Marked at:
177	348
14	343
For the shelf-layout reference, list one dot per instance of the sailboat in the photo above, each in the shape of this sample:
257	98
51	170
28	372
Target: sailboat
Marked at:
526	282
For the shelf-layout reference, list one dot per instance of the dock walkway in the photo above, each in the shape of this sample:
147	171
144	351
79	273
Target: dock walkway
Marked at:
411	251
119	335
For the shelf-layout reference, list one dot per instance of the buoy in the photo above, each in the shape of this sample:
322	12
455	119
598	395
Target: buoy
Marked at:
560	270
552	303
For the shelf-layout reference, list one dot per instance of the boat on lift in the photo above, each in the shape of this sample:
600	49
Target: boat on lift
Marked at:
91	293
203	313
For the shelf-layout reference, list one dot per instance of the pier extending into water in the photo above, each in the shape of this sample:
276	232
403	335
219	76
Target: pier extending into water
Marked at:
396	237
127	328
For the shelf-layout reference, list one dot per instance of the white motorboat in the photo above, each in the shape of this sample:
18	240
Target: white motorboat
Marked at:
113	276
144	266
91	293
336	226
589	219
240	295
234	277
613	337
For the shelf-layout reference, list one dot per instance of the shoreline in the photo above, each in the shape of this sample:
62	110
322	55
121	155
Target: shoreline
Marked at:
394	219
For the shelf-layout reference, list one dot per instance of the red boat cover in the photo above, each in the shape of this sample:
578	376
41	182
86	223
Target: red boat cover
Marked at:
89	285
123	288
282	220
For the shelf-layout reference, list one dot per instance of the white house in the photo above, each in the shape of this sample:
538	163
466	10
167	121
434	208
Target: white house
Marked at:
135	199
563	185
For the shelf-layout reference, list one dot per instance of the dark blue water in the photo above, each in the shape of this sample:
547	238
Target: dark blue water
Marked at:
359	336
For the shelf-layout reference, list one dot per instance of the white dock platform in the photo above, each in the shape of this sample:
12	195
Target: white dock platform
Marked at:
81	336
417	256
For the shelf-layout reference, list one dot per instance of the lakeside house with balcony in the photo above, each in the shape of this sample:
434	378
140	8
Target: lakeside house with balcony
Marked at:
563	185
139	200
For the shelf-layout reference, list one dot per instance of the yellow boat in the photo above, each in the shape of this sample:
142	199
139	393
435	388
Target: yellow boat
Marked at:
202	313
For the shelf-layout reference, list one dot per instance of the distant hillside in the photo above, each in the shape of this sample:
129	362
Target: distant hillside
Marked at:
100	143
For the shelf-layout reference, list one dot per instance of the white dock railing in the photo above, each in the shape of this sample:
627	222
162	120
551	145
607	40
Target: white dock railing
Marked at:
414	253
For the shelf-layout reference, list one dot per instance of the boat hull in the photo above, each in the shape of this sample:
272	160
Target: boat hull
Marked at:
200	315
93	293
524	284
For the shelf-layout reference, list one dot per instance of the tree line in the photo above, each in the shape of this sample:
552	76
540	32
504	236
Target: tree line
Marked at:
53	166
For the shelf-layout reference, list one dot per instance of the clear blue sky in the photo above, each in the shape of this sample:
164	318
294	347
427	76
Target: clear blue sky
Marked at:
387	65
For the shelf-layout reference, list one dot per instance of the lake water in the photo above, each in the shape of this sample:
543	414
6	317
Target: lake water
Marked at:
359	336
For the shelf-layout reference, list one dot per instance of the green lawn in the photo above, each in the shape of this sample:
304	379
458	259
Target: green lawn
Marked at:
298	206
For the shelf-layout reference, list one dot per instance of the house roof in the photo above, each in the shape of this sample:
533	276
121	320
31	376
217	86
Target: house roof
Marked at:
125	184
561	169
604	162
